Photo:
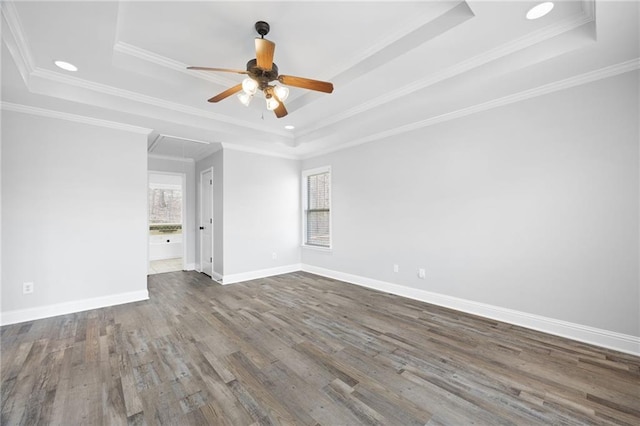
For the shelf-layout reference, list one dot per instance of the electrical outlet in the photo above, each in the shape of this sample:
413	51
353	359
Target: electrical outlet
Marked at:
396	268
421	273
27	288
274	255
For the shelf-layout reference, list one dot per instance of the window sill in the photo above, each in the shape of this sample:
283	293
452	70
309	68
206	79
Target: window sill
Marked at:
317	248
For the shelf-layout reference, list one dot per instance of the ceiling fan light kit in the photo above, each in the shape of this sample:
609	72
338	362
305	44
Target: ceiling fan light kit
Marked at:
249	86
272	103
281	92
261	71
245	98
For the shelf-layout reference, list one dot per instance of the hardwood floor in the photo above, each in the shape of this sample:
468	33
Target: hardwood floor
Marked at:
301	349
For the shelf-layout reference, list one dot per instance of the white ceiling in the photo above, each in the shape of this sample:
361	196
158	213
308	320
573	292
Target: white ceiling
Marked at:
396	66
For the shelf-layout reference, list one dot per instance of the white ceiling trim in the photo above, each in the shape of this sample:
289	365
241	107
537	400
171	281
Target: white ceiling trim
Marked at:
150	100
167	157
187	139
156	141
460	68
16	41
205	154
145	55
241	148
588	77
26	109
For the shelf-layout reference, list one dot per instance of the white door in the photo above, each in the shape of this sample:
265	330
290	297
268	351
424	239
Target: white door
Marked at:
206	222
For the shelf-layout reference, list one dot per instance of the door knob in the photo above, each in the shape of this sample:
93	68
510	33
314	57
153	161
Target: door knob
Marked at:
201	228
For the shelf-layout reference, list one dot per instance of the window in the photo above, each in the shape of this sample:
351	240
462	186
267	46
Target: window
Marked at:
316	199
165	204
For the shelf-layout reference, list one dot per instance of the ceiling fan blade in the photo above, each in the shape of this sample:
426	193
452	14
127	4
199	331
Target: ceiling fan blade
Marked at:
306	83
264	53
281	111
226	93
217	69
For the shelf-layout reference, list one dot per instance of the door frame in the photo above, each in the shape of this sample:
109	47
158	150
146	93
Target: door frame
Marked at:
200	214
185	237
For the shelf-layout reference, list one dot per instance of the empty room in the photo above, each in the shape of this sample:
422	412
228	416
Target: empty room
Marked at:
320	212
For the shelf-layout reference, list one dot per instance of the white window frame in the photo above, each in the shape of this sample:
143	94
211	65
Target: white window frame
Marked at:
305	199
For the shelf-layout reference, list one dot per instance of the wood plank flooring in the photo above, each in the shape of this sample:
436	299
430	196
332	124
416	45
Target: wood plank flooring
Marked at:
301	349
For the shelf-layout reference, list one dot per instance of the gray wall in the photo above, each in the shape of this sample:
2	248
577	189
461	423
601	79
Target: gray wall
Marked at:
261	212
71	222
256	211
533	206
188	169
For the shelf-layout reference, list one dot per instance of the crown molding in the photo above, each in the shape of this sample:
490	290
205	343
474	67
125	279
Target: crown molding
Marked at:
16	41
463	67
168	157
42	112
164	135
577	80
205	154
154	143
251	150
163	61
149	100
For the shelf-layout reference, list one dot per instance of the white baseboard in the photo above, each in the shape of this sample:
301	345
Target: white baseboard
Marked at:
216	276
604	338
30	314
262	273
190	267
595	336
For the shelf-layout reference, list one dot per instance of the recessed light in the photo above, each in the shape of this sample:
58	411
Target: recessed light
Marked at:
65	66
289	127
540	10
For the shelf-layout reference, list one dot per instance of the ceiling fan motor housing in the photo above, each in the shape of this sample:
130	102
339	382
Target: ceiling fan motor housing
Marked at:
263	77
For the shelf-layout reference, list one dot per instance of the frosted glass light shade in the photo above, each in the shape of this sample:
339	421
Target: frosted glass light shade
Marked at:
281	92
249	86
245	98
272	104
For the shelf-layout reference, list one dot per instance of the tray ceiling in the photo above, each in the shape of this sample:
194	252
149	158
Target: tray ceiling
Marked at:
396	66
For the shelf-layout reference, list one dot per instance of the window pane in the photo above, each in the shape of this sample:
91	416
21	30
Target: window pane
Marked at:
318	228
317	210
318	190
165	205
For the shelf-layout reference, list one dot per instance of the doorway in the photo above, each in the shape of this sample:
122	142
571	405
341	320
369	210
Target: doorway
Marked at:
167	242
206	221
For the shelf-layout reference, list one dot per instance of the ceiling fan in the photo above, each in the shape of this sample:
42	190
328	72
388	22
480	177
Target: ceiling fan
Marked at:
261	72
